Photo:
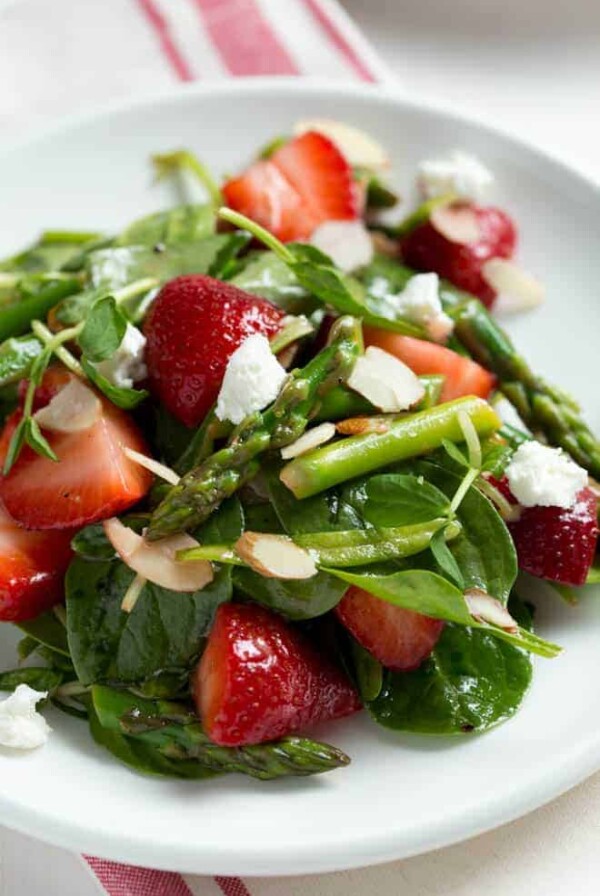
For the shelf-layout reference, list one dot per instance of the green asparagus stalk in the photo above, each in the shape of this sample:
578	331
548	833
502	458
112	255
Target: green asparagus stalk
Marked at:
177	735
341	402
408	436
16	318
548	411
202	490
358	547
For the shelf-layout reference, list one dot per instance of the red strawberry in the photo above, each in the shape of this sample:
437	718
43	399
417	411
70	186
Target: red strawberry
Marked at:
194	326
399	639
306	182
259	679
553	542
462	375
32	568
427	249
92	480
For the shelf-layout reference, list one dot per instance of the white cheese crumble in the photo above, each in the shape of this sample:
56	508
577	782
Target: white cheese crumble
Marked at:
540	476
385	381
420	303
126	366
21	726
458	173
252	380
348	243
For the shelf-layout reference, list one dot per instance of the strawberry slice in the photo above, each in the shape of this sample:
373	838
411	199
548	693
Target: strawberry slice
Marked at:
259	679
555	543
400	639
32	568
194	326
463	376
93	479
427	249
306	182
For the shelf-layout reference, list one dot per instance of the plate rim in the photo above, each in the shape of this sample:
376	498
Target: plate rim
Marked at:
572	768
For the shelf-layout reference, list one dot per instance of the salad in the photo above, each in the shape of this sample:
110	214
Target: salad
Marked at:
269	460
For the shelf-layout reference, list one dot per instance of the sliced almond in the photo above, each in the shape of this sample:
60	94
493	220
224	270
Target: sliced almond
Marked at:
358	426
309	440
484	608
154	466
348	243
156	560
358	147
73	409
517	290
457	222
385	381
275	556
383	245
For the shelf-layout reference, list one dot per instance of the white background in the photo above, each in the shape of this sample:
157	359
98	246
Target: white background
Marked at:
533	67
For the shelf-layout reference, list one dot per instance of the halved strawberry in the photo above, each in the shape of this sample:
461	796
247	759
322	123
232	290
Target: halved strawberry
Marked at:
556	543
428	249
400	639
462	375
32	568
259	679
92	480
306	182
194	326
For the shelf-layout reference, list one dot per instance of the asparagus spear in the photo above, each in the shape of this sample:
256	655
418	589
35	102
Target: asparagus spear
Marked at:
548	411
177	735
410	435
204	488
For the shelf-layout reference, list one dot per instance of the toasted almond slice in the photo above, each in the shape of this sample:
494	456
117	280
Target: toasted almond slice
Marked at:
348	243
517	290
312	438
484	608
73	409
275	556
457	222
359	148
358	426
385	381
156	560
154	466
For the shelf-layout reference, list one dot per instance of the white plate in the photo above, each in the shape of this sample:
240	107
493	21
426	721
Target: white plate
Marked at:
402	794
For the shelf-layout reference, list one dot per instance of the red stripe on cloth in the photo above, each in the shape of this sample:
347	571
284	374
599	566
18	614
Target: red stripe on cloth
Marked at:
244	38
130	880
168	45
338	40
232	886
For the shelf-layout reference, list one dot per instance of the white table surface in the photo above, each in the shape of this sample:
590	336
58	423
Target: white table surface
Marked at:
531	67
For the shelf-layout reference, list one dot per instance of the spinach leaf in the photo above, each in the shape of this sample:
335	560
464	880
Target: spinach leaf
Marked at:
401	499
446	560
369	673
225	525
37	678
47	630
51	252
103	330
162	633
266	275
484	551
115	267
471	682
178	225
123	396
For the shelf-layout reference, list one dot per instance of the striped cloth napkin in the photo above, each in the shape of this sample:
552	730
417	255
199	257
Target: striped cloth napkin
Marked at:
53	61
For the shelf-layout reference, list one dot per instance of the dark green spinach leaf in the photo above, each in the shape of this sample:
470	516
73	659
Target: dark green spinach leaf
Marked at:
401	499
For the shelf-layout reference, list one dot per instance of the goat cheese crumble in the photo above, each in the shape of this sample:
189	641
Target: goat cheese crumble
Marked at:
253	378
420	302
126	366
348	243
458	173
540	476
21	726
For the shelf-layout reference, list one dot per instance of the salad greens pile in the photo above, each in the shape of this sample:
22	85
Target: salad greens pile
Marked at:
403	509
